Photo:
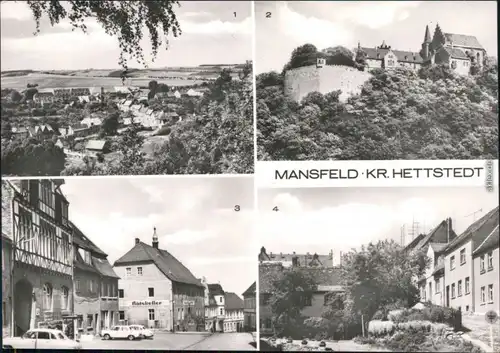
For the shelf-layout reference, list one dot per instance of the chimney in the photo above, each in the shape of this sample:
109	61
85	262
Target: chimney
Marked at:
263	250
137	240
155	239
331	254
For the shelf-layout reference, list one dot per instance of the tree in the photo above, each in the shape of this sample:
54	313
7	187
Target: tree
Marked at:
381	274
110	124
153	88
304	55
123	19
132	159
15	96
339	55
288	291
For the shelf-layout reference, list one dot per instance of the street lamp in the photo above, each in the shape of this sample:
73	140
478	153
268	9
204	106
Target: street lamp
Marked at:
15	245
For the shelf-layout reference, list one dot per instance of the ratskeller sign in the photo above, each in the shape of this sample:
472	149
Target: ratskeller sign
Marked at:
146	302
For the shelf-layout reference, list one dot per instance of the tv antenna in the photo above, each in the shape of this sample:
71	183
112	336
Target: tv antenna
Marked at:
473	214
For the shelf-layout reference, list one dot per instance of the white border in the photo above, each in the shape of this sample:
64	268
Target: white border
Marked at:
267	171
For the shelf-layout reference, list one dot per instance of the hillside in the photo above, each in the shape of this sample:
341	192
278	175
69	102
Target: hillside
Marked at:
399	114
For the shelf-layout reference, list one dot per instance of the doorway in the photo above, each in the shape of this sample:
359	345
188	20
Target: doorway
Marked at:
447	304
23	304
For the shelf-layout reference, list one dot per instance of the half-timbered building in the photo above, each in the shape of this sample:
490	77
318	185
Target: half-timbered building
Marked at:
35	218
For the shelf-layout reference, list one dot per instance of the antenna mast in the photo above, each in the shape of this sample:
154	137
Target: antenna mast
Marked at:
473	214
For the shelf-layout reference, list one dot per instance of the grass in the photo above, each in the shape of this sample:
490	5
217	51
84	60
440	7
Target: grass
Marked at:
55	81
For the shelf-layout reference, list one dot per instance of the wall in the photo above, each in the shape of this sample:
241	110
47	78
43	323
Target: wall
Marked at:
188	306
37	277
463	66
304	80
135	288
316	307
6	288
249	313
460	272
7	216
484	279
86	302
233	320
434	297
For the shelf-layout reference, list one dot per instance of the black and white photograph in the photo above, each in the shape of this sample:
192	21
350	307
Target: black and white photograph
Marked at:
126	88
410	269
376	80
158	263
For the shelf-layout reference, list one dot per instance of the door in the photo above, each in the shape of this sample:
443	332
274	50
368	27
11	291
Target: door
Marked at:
447	304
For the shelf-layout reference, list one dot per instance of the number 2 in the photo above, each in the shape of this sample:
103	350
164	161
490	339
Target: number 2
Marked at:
268	15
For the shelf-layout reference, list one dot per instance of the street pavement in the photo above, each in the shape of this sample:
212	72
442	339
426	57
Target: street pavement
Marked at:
178	341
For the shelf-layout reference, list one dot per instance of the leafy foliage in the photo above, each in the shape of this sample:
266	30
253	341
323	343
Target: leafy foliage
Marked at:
432	113
124	20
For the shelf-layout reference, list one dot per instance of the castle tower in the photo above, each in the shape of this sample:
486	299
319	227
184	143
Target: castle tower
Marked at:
425	51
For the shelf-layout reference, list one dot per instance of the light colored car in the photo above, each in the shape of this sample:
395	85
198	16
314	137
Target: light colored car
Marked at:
120	332
145	333
41	338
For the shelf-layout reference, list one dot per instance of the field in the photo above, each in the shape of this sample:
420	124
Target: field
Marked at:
53	81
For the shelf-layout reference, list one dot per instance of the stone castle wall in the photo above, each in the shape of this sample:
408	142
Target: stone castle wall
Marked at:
303	80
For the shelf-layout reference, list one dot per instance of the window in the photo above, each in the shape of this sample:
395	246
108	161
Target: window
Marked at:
139	271
307	299
48	240
483	295
430	290
221	311
390	62
47	297
459	288
151	292
77	285
437	286
462	256
452	263
467	285
121	315
4	315
91	286
47	200
120	293
490	261
43	335
64	298
453	290
220	300
490	293
481	264
151	314
454	64
129	271
467	308
423	294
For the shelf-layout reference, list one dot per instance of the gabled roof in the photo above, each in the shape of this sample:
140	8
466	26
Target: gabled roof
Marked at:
401	55
95	144
104	267
440	232
463	40
477	231
172	268
250	290
304	260
455	53
215	289
491	242
83	242
233	301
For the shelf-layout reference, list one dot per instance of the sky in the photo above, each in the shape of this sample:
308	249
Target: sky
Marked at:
339	219
194	219
282	26
209	30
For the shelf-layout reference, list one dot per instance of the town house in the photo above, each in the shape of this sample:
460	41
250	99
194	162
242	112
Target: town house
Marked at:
250	308
460	282
217	305
95	286
35	219
156	290
233	320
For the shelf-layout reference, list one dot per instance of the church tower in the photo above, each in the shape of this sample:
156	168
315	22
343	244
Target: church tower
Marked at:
425	52
155	239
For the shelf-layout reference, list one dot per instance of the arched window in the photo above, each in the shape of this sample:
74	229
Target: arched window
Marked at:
64	298
47	297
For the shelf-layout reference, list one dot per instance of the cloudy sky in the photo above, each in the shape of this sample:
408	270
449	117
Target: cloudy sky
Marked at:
400	23
209	30
194	218
320	219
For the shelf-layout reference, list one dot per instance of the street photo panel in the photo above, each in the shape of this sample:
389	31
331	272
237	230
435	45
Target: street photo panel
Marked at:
167	91
159	263
402	269
379	80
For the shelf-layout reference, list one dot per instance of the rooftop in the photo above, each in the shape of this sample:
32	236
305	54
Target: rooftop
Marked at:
233	301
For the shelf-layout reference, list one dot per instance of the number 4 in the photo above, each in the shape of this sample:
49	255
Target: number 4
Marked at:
275	209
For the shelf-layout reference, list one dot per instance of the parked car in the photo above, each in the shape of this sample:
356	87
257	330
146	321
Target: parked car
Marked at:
145	333
121	332
41	339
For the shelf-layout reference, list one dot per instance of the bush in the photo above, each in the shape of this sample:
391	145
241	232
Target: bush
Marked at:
406	342
164	131
414	326
439	329
379	328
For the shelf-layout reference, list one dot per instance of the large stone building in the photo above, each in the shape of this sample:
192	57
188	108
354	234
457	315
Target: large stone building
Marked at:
95	286
384	57
319	267
250	308
233	321
35	218
458	51
156	290
462	286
